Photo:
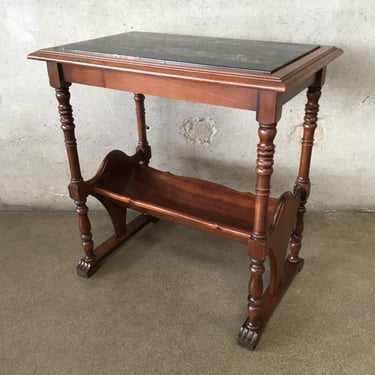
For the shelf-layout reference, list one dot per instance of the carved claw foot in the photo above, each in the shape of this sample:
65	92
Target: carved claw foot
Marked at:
86	267
247	337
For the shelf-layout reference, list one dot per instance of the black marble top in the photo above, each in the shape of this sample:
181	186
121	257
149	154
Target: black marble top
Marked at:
238	54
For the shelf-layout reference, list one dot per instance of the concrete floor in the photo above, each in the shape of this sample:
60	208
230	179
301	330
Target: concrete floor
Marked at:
172	301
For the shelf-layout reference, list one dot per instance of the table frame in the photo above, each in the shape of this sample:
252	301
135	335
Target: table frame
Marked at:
266	225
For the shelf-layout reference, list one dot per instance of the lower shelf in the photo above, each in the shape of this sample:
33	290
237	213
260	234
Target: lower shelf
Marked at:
193	202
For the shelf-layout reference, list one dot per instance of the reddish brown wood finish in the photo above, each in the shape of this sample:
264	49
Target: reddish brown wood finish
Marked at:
248	337
265	224
200	204
141	122
76	187
303	179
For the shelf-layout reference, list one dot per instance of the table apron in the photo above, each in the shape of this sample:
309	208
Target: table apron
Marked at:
194	90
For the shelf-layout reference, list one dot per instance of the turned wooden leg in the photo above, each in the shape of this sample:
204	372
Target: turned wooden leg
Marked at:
86	266
142	128
303	180
79	189
250	330
76	186
296	237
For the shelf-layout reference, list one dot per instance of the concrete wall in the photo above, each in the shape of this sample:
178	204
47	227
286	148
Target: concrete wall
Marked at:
33	167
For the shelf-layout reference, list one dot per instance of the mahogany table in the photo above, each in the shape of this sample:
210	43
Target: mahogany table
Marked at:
253	75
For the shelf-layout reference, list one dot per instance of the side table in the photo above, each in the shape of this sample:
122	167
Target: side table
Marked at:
253	75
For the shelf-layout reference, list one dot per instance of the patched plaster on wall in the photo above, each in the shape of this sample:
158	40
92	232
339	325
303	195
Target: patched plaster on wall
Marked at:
199	130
